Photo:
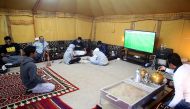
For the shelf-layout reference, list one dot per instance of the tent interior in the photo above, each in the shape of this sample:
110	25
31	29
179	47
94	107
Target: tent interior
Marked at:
95	20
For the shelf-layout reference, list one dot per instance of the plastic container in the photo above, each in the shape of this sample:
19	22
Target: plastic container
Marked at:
128	94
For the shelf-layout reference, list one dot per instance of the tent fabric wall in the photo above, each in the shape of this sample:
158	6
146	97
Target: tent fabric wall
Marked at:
22	29
151	25
83	28
111	33
174	34
53	26
143	17
174	27
3	28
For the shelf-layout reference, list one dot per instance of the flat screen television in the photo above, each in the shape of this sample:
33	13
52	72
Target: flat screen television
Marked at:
142	41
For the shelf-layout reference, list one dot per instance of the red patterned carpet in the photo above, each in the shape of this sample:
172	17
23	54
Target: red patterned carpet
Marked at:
97	107
12	91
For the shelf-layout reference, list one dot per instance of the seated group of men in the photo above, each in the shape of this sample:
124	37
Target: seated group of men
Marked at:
75	49
11	52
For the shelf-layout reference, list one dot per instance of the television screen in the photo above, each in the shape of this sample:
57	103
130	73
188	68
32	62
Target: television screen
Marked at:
139	40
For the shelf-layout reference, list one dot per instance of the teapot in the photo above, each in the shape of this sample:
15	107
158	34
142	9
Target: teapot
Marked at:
157	77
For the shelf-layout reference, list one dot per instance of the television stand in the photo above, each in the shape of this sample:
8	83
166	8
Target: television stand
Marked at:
136	57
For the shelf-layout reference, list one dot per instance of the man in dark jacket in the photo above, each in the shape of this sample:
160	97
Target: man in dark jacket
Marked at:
80	49
28	73
103	48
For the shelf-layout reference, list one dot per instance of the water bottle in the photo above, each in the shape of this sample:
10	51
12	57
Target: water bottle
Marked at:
112	53
153	62
146	78
138	76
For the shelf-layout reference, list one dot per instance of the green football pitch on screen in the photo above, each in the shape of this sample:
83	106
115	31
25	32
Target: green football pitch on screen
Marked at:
139	40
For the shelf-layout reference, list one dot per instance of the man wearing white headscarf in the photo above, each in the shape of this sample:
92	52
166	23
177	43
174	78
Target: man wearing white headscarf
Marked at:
68	57
98	58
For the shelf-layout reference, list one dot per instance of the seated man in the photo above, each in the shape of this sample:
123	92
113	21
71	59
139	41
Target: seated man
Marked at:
10	52
181	81
28	73
68	57
103	48
98	58
79	47
41	49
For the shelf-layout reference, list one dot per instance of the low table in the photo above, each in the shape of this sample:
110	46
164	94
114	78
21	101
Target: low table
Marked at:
128	94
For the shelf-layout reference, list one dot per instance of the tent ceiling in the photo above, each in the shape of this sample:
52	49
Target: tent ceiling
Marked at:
17	4
101	7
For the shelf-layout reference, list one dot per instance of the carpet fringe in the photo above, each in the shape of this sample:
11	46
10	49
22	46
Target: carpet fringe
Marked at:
25	102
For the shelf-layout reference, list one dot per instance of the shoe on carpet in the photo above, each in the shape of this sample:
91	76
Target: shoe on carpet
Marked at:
8	65
28	91
3	69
